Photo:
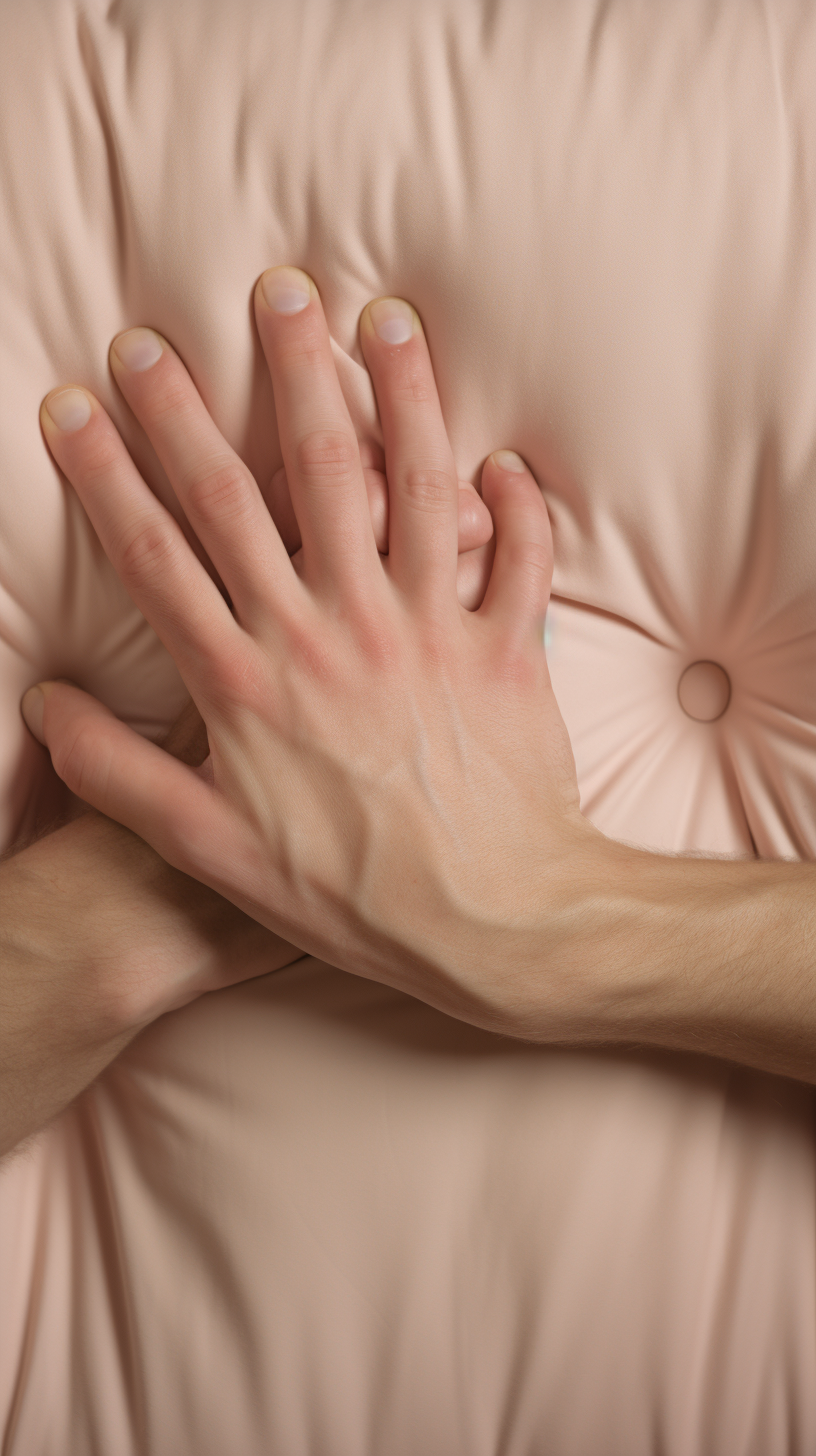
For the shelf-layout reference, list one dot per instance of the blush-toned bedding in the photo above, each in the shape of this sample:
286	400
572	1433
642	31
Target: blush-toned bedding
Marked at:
309	1215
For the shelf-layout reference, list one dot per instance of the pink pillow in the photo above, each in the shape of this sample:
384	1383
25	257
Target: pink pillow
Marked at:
310	1215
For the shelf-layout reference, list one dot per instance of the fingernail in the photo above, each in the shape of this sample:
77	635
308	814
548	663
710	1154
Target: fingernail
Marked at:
509	460
69	409
392	320
138	349
32	710
286	290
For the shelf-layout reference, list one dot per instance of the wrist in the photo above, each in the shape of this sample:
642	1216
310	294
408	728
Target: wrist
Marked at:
534	955
98	937
162	938
125	938
691	954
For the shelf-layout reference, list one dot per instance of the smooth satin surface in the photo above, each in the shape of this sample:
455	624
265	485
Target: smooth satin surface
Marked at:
310	1215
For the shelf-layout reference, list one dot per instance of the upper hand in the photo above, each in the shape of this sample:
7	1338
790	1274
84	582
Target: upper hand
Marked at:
390	783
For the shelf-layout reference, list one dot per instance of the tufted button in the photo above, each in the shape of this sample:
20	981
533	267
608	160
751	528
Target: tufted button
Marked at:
704	691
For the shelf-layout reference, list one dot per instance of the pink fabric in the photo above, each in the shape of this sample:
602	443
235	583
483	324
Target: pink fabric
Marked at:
309	1214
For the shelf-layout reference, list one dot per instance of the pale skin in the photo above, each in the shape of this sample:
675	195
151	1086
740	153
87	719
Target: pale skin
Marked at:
367	729
99	936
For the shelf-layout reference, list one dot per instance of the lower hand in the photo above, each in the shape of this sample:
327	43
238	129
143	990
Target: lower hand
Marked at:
389	782
98	937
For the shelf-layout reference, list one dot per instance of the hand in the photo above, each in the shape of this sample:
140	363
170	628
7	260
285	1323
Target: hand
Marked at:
390	784
98	937
475	525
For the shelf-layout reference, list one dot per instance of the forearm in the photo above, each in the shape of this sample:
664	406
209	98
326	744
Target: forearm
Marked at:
702	955
98	937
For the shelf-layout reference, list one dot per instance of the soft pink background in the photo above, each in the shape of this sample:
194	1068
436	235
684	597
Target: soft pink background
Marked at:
310	1215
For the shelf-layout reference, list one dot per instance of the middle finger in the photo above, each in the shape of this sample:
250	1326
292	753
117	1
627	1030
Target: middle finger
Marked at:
317	438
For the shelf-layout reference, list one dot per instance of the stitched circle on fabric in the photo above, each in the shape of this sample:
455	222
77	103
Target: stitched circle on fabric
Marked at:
704	691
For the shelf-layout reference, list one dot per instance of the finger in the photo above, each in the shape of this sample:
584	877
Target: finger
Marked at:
475	520
422	480
217	493
143	541
187	739
472	575
114	769
519	587
317	439
475	523
279	500
377	495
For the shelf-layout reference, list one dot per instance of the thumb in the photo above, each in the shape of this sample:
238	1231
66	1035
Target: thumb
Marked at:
519	588
114	769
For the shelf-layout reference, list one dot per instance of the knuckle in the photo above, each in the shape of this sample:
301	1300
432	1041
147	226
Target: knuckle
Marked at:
377	644
513	668
531	560
412	390
147	549
318	663
168	404
219	492
243	680
79	760
322	453
97	461
303	342
429	489
410	381
436	642
167	395
168	398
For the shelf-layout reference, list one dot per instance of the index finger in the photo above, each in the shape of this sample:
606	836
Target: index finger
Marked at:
146	546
